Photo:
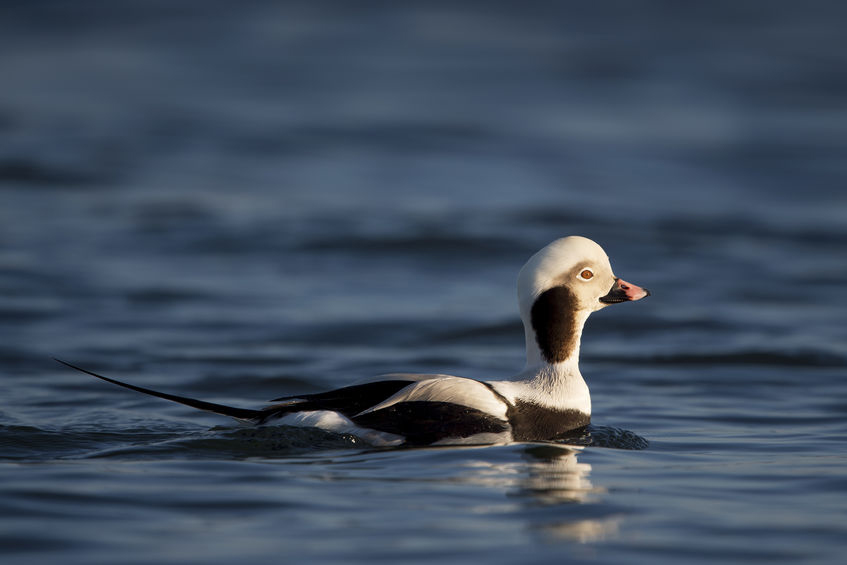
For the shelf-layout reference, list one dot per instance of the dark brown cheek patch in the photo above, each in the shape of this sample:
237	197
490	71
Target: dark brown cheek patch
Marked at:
554	321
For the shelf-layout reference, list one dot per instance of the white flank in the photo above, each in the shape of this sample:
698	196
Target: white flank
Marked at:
339	424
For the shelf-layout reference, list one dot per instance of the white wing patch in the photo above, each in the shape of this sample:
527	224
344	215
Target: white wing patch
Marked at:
444	388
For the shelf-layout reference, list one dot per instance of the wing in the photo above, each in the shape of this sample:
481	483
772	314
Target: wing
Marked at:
438	409
406	378
451	390
426	410
348	401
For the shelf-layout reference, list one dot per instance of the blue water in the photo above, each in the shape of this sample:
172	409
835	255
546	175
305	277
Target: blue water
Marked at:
238	201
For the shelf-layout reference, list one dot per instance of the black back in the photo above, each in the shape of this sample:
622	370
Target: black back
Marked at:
349	400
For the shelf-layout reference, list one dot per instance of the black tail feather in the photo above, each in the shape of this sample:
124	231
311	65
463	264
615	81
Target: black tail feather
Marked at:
239	413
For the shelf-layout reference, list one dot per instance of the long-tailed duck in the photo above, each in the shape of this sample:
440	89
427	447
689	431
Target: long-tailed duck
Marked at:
558	288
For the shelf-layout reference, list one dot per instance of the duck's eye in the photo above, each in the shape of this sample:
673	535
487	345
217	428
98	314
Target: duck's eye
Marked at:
586	274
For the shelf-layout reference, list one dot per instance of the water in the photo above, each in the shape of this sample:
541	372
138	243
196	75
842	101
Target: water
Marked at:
240	202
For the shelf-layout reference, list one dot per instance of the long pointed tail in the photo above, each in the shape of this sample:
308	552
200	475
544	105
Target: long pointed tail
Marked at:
239	413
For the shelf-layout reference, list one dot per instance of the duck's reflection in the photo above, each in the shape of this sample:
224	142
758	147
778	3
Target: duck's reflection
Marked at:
555	477
555	491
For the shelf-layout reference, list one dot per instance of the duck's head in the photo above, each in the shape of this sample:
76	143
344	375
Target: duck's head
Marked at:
558	288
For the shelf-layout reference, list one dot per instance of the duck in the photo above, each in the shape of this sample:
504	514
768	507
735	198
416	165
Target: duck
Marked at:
559	287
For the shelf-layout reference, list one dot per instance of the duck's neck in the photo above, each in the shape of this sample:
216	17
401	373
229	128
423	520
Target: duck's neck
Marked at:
536	360
553	337
553	331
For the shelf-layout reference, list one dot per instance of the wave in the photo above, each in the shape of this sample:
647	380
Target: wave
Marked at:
604	436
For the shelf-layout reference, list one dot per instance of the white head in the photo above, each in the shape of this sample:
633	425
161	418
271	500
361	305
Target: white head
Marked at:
558	288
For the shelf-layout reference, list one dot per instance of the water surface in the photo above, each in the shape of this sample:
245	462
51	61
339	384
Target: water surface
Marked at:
237	203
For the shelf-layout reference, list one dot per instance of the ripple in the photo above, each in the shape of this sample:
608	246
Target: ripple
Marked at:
604	436
235	443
